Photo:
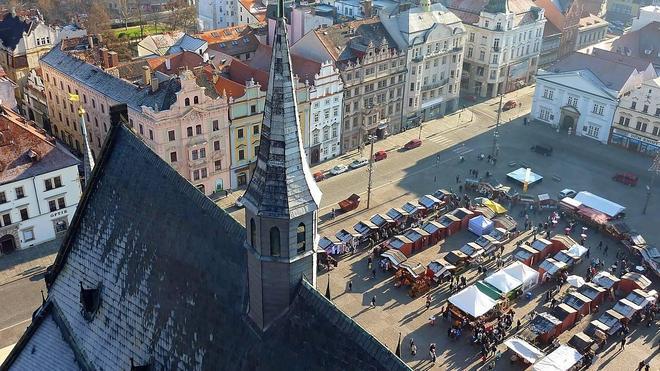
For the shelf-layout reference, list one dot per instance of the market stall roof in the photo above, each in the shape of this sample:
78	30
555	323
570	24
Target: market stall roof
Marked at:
619	227
524	175
543	322
591	290
415	234
552	266
398	241
345	236
562	256
563	239
447	219
415	269
576	251
489	290
639	279
429	201
581	341
603	205
524	349
626	308
326	242
522	254
480	225
529	248
412	208
381	220
506	222
395	256
502	281
605	279
522	273
472	301
611	317
651	256
365	227
440	266
575	281
455	256
471	249
494	206
573	203
561	359
486	240
540	244
432	226
642	298
499	234
461	213
576	300
396	213
593	215
543	197
483	210
562	311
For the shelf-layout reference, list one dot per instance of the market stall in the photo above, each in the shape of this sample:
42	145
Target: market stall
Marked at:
618	229
626	308
382	221
543	246
525	351
402	244
497	208
569	205
451	223
412	274
443	195
399	216
487	243
591	216
579	302
439	270
392	259
581	342
464	215
546	202
551	268
418	237
436	231
506	284
561	242
480	225
348	238
472	302
414	209
633	280
571	256
527	255
563	358
332	246
566	314
505	222
431	203
612	320
485	211
594	292
651	257
366	228
501	235
542	328
603	205
472	250
606	280
457	258
523	273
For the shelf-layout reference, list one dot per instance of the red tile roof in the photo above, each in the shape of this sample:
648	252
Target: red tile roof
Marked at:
304	68
184	59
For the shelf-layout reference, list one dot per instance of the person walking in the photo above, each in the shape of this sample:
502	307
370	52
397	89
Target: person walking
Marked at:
373	272
428	301
413	348
623	343
458	179
350	285
373	302
432	352
518	325
605	251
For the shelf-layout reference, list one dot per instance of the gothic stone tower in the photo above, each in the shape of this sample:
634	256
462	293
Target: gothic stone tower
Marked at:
282	199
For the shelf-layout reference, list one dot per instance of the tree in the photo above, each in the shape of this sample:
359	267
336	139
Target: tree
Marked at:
98	19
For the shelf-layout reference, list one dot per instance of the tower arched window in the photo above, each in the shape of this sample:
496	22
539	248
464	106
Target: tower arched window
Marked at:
300	238
253	232
275	241
196	99
187	102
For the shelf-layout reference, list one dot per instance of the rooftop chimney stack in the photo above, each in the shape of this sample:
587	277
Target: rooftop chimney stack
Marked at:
168	64
113	59
146	75
90	42
154	84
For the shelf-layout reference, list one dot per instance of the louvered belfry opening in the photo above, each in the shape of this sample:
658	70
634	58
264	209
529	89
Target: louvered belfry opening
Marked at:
90	299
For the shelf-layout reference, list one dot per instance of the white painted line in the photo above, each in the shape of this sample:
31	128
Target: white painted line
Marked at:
16	324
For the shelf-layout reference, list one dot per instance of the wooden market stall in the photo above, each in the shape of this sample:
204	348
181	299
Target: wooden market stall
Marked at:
458	259
606	280
612	321
431	203
439	270
436	231
582	342
382	221
471	303
348	238
412	274
332	246
399	216
543	246
366	229
633	280
542	328
472	250
392	259
402	244
485	211
451	223
506	285
566	314
505	222
419	238
464	215
527	255
414	209
488	243
561	242
524	351
579	302
594	292
642	298
564	358
551	268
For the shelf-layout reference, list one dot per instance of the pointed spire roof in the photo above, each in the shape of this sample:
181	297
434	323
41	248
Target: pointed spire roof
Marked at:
282	185
88	159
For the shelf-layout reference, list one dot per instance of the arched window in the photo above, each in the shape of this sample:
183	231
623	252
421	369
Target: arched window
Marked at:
187	102
196	99
300	238
253	232
274	241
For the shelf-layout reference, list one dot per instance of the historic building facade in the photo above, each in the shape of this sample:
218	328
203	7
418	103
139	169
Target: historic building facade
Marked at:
326	99
636	123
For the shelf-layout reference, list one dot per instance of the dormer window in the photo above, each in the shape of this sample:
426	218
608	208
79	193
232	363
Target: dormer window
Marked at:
144	367
90	299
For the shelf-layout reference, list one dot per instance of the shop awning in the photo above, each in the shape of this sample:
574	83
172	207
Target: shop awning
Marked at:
561	359
523	349
472	301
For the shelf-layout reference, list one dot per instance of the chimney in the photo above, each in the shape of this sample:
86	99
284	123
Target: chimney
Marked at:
215	78
105	57
154	84
168	64
146	75
90	42
99	38
113	59
206	57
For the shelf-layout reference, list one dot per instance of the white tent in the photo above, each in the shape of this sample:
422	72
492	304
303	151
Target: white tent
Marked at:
503	281
561	359
472	301
576	251
603	205
525	274
524	349
575	281
480	225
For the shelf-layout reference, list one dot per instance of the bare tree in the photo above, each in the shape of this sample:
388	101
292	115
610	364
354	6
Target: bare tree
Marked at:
98	19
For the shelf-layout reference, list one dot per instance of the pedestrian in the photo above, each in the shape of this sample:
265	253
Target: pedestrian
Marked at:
605	251
640	366
369	265
623	343
373	272
350	285
413	348
458	179
588	254
432	352
373	302
600	245
518	325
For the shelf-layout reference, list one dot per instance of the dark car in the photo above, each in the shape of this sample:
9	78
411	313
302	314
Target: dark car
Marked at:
542	149
509	105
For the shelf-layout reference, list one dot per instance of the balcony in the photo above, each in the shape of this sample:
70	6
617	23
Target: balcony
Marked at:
496	48
418	59
435	85
457	48
196	163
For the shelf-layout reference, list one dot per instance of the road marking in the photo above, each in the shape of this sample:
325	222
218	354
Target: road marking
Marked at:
16	324
462	150
440	140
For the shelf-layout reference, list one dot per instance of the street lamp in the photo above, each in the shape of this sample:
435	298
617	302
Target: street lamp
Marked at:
421	124
496	147
654	169
372	139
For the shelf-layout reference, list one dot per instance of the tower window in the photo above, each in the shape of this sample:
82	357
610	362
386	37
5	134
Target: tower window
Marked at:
274	241
300	238
253	232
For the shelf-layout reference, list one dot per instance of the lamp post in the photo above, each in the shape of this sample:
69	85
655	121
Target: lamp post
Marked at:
654	169
372	139
496	134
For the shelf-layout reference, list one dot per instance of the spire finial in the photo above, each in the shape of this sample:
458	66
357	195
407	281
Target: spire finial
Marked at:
280	9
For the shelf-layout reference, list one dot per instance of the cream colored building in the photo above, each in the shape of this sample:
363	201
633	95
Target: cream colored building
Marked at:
186	124
636	123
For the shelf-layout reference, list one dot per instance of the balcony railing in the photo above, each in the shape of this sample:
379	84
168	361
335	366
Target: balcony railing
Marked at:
435	85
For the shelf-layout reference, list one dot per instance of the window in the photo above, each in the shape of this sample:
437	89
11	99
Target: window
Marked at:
241	154
173	157
187	102
300	238
216	145
545	115
196	99
194	155
198	129
189	131
28	235
274	241
469	53
57	204
216	125
598	109
53	183
141	129
19	192
645	109
60	203
239	133
572	101
204	173
196	175
471	37
24	214
633	105
171	136
253	232
6	220
218	165
202	153
657	111
548	93
255	130
3	198
482	55
151	134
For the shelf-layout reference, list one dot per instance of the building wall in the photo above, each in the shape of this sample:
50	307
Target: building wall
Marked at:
551	98
636	123
34	102
213	14
623	10
41	222
647	15
549	50
326	101
591	35
486	65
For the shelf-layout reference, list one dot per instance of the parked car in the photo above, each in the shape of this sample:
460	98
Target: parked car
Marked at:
626	178
542	149
413	144
239	202
509	104
358	163
319	176
567	193
338	169
380	155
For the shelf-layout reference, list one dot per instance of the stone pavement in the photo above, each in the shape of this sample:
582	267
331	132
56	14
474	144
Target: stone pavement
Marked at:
28	262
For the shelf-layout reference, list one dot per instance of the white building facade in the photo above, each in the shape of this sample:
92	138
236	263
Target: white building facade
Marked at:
636	125
433	38
213	14
576	102
326	101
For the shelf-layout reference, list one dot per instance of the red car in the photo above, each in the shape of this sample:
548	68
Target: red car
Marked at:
319	176
413	144
509	105
380	155
626	178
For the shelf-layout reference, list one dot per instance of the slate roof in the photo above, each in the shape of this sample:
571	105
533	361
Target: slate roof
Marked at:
643	43
186	43
468	10
282	185
171	267
116	89
18	139
348	41
232	41
12	29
